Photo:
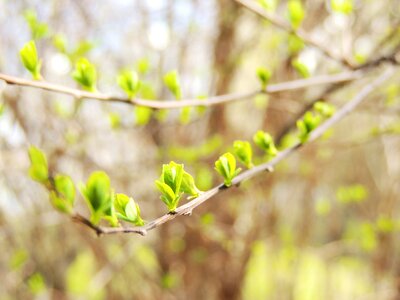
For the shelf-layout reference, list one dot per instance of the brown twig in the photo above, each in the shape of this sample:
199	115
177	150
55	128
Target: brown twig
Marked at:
282	24
171	104
186	209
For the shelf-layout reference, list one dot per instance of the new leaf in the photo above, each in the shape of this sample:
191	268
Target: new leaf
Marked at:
85	74
29	58
226	167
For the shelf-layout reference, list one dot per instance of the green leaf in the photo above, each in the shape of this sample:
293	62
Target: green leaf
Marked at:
29	58
325	109
63	197
301	68
342	6
171	80
129	82
127	209
168	195
2	108
36	284
226	167
97	194
184	117
264	76
295	44
60	43
174	181
296	13
39	169
38	29
143	66
265	141
188	185
309	122
115	120
85	74
244	152
268	5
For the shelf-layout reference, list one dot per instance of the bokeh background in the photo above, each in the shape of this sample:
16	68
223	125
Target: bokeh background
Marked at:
324	225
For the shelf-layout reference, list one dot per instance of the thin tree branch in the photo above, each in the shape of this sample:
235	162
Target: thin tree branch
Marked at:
186	209
171	104
282	24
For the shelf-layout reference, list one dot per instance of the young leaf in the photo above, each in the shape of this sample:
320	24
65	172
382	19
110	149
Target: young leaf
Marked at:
171	80
309	122
265	142
29	58
325	109
226	167
38	170
296	13
264	76
188	186
269	5
342	6
63	197
301	68
97	194
38	29
127	209
85	74
244	152
129	82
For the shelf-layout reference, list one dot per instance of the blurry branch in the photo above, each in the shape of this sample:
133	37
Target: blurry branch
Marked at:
170	104
187	208
391	59
282	24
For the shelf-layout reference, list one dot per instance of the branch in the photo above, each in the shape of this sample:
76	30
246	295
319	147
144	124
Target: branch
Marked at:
171	104
187	208
282	24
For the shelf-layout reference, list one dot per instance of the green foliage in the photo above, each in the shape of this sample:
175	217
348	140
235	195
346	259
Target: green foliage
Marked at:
296	13
264	75
324	109
171	80
79	276
18	259
352	194
30	60
38	29
143	66
295	44
98	196
129	82
265	141
60	43
309	122
244	152
85	74
226	167
39	169
385	224
301	68
36	283
63	196
268	5
342	6
127	209
2	108
173	183
114	120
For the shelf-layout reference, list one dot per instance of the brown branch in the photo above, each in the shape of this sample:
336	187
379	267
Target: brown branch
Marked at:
282	24
171	104
186	209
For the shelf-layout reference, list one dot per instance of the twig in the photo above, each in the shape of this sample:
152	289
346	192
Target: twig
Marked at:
282	24
187	208
171	104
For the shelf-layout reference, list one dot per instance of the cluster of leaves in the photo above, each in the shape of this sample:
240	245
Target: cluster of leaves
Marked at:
312	119
226	164
173	183
97	192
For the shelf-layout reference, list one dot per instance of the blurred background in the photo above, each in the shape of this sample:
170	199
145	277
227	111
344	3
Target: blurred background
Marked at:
324	225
